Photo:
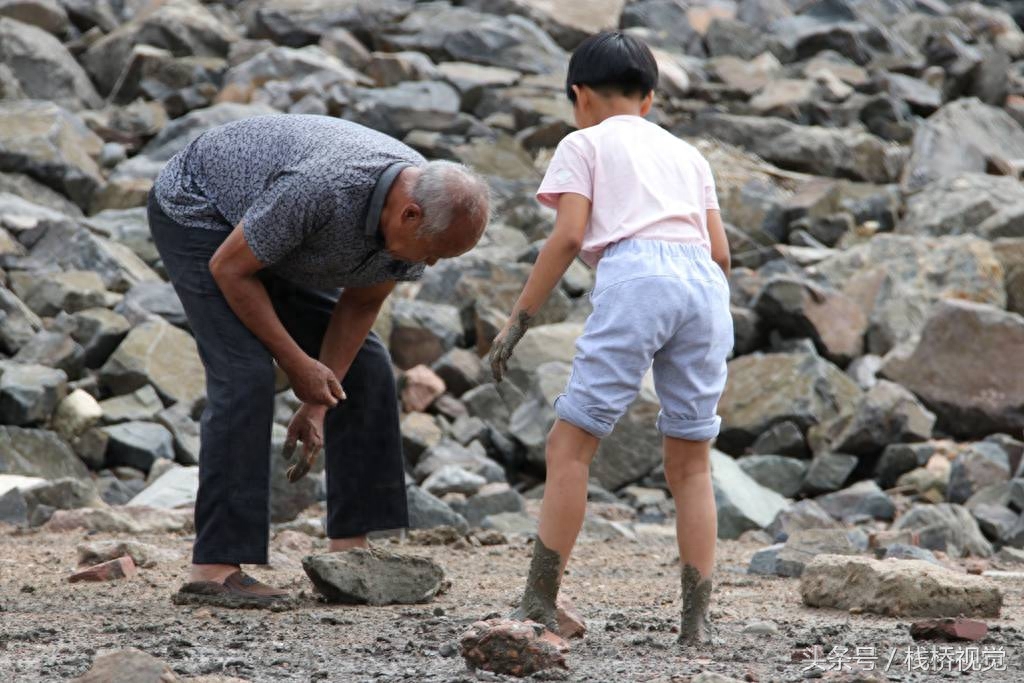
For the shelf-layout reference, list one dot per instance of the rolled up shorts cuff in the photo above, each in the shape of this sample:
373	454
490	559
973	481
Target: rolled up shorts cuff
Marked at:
574	415
689	429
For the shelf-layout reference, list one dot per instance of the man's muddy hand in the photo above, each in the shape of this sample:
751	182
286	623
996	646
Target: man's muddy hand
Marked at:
307	426
314	382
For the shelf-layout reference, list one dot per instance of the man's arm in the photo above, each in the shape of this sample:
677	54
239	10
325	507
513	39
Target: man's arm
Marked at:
234	268
350	323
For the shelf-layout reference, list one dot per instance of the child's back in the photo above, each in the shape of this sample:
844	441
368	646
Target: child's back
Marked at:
642	181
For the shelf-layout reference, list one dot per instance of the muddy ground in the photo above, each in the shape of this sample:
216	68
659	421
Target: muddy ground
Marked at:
626	590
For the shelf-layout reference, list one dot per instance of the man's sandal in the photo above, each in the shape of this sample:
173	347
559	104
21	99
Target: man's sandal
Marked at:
238	590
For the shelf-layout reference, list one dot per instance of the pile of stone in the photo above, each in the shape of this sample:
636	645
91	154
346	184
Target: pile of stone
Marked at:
868	157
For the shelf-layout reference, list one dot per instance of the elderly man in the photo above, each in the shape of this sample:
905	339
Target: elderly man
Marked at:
259	222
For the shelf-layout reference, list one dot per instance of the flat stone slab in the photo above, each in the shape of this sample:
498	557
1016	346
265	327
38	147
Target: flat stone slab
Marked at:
898	588
374	577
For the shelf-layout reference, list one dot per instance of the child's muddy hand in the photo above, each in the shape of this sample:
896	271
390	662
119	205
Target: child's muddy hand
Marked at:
505	342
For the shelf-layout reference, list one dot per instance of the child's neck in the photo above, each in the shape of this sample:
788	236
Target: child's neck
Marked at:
616	106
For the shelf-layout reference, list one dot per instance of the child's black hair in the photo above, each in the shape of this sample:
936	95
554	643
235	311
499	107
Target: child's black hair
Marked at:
612	62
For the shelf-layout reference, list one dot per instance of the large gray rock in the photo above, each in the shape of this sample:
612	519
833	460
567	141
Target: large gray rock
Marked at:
863	499
971	203
897	280
569	23
828	472
48	15
301	22
779	473
945	526
61	494
972	394
99	331
70	291
29	394
837	152
146	299
73	247
142	404
798	308
457	33
374	577
742	503
448	452
422	332
42	66
960	138
18	324
427	511
492	499
287	64
803	514
897	588
185	432
977	466
138	445
38	453
763	390
16	188
419	105
886	414
52	145
453	479
56	350
183	27
177	487
804	545
159	354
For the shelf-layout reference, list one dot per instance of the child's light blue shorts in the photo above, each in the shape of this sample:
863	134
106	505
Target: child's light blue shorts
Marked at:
654	302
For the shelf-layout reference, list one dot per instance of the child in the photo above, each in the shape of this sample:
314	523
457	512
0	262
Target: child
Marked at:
640	205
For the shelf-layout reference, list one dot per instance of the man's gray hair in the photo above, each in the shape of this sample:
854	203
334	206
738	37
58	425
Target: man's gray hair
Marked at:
444	190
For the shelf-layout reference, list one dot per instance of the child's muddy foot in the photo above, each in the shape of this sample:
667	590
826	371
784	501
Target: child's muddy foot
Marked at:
695	627
538	602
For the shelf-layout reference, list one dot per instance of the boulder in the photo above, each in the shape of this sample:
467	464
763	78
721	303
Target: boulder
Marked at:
183	27
301	22
18	324
138	445
423	332
783	438
61	494
129	520
287	65
803	514
972	394
29	394
143	554
48	15
421	386
567	22
492	499
765	389
897	279
896	588
159	354
968	204
70	291
779	473
460	370
99	331
945	526
742	503
146	299
52	145
140	405
41	66
185	432
828	472
175	488
804	545
861	500
977	466
453	479
797	308
55	350
38	453
374	577
426	511
457	33
836	152
960	138
76	412
886	414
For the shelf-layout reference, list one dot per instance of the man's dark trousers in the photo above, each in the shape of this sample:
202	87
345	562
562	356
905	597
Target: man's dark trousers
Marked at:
363	446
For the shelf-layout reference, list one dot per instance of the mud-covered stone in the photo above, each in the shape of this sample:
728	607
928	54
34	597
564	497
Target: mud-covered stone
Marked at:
510	647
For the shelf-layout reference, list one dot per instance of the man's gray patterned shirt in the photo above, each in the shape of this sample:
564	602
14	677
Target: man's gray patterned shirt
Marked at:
308	191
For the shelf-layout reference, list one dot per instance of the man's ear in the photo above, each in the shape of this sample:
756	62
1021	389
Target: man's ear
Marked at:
412	212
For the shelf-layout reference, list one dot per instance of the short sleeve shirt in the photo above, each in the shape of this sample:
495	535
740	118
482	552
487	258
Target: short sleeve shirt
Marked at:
642	182
308	191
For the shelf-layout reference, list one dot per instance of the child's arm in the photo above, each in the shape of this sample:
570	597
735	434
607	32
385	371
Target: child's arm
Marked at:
554	259
719	241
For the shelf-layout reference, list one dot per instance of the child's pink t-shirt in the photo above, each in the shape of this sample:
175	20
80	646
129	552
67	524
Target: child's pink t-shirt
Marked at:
642	182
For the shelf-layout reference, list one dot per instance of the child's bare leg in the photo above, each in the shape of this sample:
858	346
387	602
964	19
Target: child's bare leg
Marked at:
688	473
570	451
